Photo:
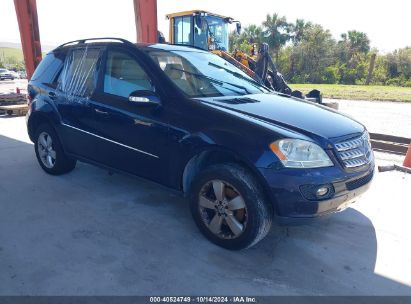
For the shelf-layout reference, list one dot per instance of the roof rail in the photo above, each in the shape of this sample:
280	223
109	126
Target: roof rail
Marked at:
186	45
82	41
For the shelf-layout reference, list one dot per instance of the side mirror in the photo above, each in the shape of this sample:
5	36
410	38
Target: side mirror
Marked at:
238	27
144	97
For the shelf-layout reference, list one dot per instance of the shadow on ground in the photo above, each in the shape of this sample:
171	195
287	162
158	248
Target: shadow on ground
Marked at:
89	233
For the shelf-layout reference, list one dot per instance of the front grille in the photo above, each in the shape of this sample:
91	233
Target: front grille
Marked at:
359	182
355	152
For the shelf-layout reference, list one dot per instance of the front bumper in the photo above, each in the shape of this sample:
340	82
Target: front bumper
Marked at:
292	207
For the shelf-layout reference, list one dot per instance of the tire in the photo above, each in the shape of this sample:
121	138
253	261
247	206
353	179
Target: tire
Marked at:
47	144
243	206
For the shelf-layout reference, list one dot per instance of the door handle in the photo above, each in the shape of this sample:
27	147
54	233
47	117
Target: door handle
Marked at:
52	95
101	112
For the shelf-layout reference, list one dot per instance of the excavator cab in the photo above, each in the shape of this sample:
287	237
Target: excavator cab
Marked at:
210	32
201	29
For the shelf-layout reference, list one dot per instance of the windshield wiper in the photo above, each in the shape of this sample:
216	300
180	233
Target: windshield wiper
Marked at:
217	81
250	80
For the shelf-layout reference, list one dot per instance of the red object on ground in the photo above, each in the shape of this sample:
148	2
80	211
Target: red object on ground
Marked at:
17	90
407	160
146	20
26	11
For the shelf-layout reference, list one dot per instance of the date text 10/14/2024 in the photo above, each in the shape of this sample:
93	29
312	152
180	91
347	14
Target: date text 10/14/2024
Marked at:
205	299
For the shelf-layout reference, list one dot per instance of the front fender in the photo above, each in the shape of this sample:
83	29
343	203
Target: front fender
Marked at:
249	150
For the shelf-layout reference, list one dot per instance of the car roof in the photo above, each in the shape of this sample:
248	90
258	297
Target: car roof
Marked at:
168	47
126	43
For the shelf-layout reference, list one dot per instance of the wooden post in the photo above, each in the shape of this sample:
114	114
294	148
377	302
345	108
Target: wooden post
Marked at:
371	68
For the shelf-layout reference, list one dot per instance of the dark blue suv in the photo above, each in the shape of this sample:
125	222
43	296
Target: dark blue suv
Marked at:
187	119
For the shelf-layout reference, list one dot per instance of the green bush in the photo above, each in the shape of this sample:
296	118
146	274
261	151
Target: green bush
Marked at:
330	75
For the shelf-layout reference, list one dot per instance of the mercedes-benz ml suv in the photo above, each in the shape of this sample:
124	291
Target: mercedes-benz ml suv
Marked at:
187	119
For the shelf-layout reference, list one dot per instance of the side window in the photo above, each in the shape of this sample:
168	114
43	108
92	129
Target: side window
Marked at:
79	75
124	75
49	67
182	30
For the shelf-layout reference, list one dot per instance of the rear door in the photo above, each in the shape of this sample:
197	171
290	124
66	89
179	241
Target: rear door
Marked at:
74	93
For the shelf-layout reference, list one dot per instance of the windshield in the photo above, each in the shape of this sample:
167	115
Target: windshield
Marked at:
217	33
201	74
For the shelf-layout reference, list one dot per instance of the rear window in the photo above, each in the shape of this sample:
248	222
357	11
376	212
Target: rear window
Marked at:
48	68
79	75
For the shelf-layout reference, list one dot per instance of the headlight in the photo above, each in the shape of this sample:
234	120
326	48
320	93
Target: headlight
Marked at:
296	153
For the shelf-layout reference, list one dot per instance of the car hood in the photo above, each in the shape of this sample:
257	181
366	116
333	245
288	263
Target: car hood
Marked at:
292	113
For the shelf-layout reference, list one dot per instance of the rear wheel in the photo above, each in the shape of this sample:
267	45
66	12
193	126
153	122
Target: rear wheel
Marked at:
229	207
49	152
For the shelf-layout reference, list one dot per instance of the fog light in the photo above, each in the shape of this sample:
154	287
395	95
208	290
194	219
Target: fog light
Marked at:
317	192
322	191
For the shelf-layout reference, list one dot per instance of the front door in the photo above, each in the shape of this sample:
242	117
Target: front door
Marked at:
134	135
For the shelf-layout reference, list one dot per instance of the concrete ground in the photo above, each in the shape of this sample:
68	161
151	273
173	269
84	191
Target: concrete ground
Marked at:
385	117
8	86
89	233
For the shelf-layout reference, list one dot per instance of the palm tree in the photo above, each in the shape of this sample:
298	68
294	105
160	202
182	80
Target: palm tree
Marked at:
359	42
298	30
276	32
253	33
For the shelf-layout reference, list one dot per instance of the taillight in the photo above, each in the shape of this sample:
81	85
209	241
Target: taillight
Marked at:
29	100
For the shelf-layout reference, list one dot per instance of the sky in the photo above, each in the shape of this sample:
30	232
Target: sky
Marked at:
387	23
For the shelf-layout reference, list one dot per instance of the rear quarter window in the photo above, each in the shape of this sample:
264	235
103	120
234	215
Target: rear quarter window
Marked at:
48	68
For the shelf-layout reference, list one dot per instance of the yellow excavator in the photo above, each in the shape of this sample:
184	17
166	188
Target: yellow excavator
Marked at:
210	32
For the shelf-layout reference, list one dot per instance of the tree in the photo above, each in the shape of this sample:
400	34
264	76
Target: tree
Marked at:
298	30
404	62
395	68
358	42
277	32
253	34
233	41
352	52
250	34
313	55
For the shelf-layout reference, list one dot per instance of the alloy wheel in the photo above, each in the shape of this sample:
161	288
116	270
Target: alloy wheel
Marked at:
46	151
223	209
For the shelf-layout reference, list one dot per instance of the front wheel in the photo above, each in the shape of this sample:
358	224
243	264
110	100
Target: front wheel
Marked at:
229	207
50	153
